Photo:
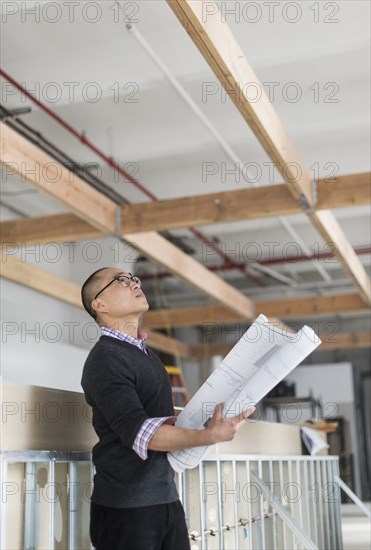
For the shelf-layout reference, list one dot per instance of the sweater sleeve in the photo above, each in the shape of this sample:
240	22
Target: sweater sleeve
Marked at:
111	391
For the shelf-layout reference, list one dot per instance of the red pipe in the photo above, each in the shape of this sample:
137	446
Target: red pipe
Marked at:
81	137
85	141
290	259
315	257
242	267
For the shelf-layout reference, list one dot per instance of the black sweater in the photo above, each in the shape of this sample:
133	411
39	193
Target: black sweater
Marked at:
124	387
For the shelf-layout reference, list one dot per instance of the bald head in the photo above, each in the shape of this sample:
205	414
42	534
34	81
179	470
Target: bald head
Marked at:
90	288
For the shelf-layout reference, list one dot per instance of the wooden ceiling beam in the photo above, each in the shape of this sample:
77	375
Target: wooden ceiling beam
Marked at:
332	233
38	279
244	204
341	340
344	191
189	317
47	229
216	42
32	165
24	159
167	344
59	288
305	307
214	39
346	340
313	306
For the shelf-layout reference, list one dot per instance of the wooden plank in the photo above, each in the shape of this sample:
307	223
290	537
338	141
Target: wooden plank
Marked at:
217	44
190	316
284	309
206	350
346	340
46	229
167	344
243	204
38	279
214	39
52	285
332	233
313	306
344	191
342	340
154	246
22	158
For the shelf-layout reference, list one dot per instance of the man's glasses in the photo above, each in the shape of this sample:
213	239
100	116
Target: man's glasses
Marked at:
124	280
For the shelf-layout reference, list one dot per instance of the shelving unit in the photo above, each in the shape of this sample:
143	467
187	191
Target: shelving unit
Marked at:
282	405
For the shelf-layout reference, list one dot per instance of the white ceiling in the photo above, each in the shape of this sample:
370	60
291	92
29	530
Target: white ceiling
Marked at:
163	139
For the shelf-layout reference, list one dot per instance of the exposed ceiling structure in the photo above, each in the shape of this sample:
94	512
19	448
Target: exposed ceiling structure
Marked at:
253	201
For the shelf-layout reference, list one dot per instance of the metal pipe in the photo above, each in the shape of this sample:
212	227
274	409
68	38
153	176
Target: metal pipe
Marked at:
220	507
52	501
72	505
248	503
65	160
353	496
202	502
271	478
288	260
3	507
337	524
318	483
80	136
29	505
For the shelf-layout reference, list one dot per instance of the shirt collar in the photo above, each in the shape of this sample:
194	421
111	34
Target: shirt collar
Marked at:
140	341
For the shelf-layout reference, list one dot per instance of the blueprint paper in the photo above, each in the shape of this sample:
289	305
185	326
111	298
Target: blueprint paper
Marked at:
262	357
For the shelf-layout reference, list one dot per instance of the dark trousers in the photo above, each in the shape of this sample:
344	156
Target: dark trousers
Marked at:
160	527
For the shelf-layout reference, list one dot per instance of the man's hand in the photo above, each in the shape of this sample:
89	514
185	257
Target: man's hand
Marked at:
224	429
220	428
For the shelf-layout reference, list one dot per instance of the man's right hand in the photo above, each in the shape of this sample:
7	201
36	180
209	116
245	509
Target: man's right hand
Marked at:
220	428
224	429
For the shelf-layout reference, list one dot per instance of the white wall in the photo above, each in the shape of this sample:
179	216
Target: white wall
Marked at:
45	341
43	364
332	383
34	340
329	382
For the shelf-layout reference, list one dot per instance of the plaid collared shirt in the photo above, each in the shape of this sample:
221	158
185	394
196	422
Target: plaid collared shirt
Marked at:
149	426
140	342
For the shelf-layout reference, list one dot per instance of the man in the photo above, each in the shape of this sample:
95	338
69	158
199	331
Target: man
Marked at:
135	504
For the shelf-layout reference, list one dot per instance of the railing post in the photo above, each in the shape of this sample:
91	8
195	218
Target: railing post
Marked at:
3	480
72	504
29	506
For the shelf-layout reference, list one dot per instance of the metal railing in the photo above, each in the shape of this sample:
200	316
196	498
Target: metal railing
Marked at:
45	500
231	502
263	502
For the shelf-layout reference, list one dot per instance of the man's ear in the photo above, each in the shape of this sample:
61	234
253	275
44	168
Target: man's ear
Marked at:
98	306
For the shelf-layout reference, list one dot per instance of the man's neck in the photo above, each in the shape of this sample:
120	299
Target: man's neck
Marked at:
126	326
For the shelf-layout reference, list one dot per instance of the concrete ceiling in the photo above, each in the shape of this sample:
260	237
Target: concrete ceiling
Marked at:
318	67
